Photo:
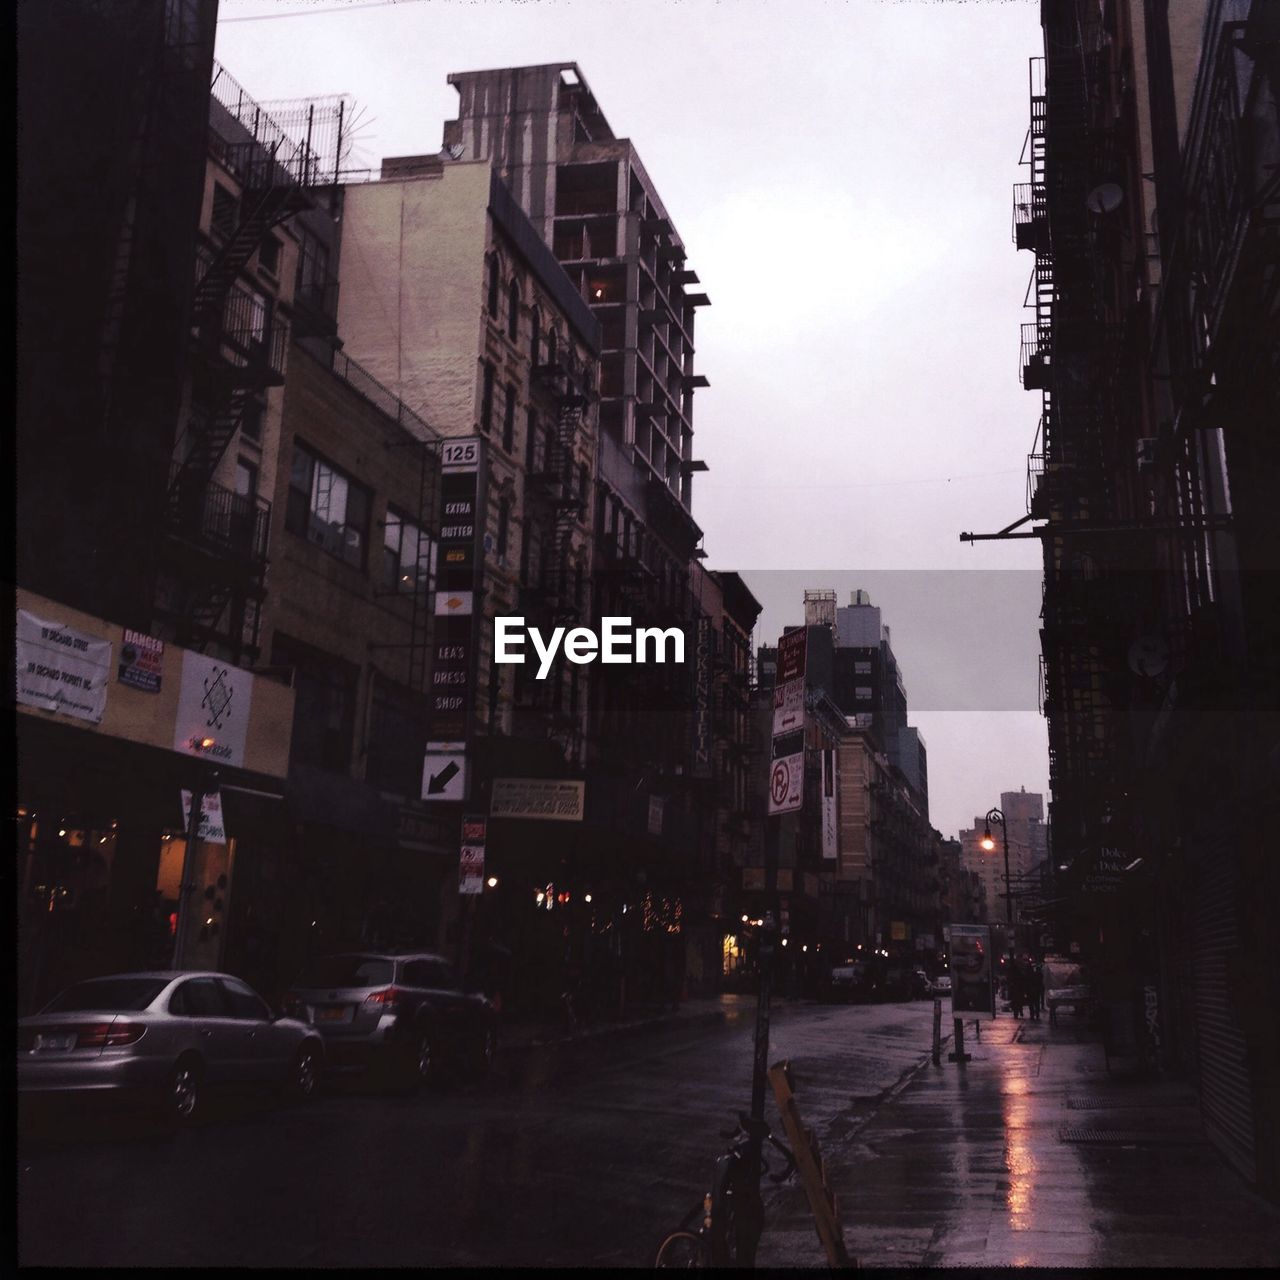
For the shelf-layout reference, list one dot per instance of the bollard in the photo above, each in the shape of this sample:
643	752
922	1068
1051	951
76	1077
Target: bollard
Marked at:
977	1026
937	1032
959	1055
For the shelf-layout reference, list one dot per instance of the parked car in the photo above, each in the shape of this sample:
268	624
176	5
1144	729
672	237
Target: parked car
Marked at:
919	983
941	985
403	1011
165	1037
852	981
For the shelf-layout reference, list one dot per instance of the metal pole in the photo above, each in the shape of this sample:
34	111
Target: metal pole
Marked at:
206	783
937	1032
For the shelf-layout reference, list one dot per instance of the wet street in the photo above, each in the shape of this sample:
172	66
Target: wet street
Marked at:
583	1155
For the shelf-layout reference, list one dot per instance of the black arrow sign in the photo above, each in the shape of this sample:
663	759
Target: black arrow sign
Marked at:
438	781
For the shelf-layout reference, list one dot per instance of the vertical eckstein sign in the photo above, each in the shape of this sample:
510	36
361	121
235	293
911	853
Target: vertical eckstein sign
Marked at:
454	647
830	829
786	766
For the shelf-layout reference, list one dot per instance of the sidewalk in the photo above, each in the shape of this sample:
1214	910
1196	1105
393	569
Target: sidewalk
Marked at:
1031	1155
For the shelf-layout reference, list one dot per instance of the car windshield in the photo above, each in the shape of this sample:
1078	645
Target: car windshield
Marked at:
107	995
348	971
1063	974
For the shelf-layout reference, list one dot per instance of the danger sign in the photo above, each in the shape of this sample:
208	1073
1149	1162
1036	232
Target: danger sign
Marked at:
786	783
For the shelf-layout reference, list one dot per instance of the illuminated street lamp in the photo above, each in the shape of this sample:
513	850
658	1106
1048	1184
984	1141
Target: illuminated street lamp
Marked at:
988	843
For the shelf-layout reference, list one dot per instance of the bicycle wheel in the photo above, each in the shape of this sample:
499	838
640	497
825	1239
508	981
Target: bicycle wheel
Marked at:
681	1249
737	1215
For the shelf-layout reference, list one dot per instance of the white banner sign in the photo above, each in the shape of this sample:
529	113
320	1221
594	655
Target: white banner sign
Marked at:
61	669
213	703
212	829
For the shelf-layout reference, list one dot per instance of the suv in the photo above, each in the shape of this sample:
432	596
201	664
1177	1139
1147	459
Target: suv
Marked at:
407	1011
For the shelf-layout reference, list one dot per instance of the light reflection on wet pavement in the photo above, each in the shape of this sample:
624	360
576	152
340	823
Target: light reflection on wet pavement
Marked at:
983	1165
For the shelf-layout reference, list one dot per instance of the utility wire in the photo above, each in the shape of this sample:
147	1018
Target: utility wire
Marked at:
868	484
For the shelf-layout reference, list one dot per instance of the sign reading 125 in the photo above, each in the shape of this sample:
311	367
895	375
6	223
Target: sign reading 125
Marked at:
460	455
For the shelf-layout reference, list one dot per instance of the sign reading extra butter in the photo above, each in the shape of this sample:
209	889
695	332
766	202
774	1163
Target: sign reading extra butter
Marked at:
552	799
453	648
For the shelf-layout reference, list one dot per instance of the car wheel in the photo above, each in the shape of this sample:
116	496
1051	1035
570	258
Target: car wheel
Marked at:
423	1065
487	1050
304	1083
182	1092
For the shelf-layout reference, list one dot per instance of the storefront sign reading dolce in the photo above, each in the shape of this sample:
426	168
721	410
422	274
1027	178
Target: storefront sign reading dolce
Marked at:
614	644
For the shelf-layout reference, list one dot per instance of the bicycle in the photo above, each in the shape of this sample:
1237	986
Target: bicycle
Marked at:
732	1211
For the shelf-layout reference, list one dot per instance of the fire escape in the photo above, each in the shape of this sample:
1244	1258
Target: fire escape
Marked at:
1071	354
218	538
558	505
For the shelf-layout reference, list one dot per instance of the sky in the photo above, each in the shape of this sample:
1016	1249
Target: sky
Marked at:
841	176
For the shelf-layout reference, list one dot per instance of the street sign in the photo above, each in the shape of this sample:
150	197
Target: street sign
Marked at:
444	776
788	707
471	854
786	783
791	656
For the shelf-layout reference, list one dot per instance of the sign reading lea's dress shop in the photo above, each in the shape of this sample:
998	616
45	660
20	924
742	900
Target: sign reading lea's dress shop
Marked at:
61	669
213	702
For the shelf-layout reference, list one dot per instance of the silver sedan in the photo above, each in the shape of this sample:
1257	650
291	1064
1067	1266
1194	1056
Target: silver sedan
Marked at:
168	1037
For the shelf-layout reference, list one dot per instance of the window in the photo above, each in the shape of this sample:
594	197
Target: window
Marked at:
862	693
246	482
486	400
199	998
313	273
326	507
397	738
492	301
407	555
530	440
324	704
584	481
226	207
513	310
862	668
269	255
509	420
251	421
535	339
504	526
244	1003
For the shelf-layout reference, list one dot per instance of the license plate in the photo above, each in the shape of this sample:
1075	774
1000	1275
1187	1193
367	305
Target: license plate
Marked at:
335	1013
54	1040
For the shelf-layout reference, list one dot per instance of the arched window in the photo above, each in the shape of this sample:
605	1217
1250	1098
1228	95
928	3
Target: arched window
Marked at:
494	272
513	309
535	338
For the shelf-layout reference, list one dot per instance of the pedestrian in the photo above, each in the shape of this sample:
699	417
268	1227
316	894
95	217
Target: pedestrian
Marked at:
1017	988
1035	990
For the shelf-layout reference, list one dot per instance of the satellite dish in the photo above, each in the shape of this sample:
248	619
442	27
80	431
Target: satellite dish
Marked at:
1148	656
1107	197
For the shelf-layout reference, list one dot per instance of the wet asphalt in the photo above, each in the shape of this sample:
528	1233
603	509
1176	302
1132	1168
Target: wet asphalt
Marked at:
576	1155
586	1154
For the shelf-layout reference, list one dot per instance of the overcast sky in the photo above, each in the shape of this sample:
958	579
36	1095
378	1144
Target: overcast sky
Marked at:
841	176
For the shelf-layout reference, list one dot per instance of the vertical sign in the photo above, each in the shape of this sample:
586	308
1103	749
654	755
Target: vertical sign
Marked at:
830	829
453	647
786	768
971	969
471	855
702	700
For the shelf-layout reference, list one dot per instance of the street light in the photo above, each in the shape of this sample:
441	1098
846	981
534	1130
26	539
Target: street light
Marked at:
988	843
